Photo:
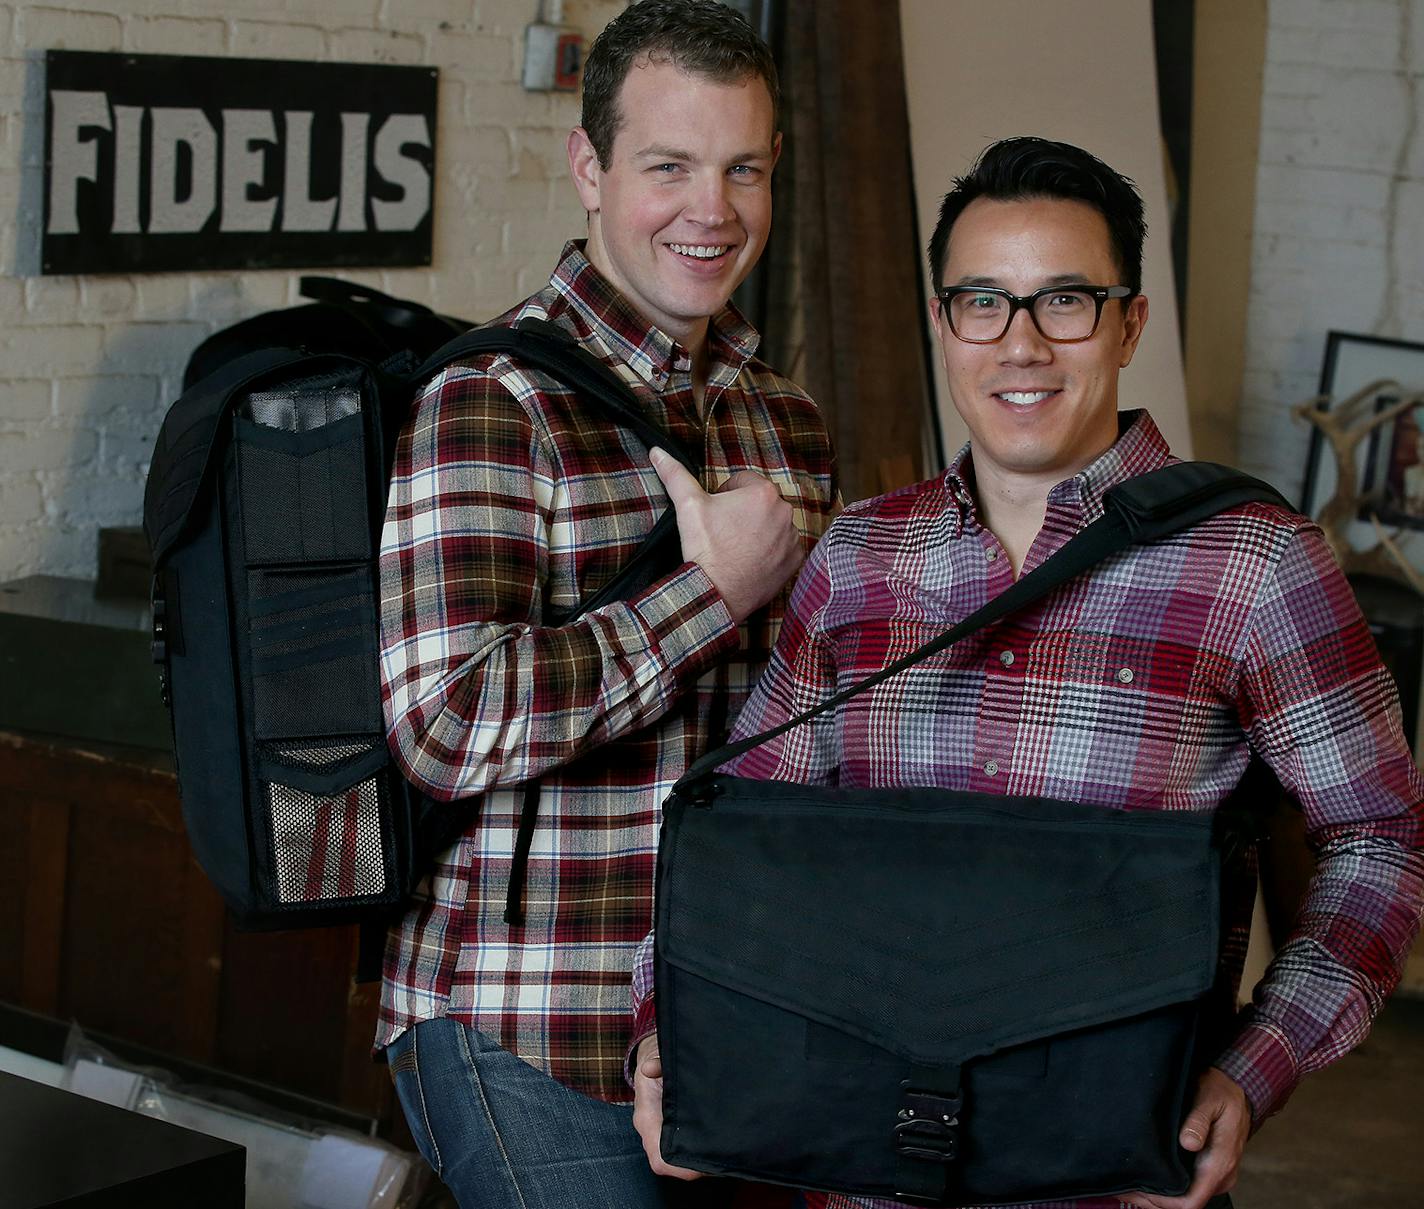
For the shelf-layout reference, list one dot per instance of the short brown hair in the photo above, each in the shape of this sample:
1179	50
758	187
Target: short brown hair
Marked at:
703	37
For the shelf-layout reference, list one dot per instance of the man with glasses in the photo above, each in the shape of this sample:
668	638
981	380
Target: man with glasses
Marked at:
1146	684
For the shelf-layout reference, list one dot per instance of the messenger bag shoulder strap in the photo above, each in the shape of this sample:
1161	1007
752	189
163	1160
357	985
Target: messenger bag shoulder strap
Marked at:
1142	509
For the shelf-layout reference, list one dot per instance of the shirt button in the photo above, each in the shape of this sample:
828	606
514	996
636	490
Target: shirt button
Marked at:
1124	675
1006	658
991	768
990	555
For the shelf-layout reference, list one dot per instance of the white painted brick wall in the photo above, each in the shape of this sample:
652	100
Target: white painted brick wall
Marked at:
1339	207
88	365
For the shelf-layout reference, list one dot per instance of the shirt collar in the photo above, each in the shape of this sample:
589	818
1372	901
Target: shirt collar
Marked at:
648	351
1078	500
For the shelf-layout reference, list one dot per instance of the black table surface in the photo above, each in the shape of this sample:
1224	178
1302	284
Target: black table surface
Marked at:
59	1149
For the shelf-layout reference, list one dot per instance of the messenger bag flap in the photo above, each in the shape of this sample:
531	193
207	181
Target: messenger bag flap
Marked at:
1006	920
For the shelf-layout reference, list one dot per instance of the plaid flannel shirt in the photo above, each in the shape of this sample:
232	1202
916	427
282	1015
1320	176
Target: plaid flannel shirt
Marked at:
1139	686
510	499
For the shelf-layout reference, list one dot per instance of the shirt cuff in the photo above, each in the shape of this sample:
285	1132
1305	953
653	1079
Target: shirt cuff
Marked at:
645	1024
690	624
1262	1061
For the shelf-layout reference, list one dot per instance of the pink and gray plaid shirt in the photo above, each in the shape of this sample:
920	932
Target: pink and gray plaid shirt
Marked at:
508	499
1139	686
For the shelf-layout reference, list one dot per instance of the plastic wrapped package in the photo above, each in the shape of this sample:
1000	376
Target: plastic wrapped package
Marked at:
292	1163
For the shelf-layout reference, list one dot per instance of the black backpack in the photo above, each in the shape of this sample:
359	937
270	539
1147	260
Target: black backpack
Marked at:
263	510
343	317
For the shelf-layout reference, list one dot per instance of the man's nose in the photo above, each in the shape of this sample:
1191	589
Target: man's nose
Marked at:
1023	343
711	204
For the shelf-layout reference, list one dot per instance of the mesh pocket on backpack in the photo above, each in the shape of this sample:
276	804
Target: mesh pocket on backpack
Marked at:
327	848
328	816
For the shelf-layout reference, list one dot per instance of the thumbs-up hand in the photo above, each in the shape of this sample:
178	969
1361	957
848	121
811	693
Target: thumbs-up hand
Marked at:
742	536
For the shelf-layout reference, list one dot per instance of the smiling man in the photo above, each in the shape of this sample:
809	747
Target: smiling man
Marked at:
505	1022
1146	684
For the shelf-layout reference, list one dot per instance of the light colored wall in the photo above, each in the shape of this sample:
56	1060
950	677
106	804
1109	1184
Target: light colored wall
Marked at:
1339	223
1229	56
88	365
1084	73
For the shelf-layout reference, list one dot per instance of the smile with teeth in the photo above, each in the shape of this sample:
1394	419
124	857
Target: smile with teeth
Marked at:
700	251
1024	398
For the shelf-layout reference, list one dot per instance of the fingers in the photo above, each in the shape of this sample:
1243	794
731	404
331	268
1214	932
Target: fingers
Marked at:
744	536
1197	1127
650	1063
1220	1118
677	482
1216	1129
746	478
648	1109
681	484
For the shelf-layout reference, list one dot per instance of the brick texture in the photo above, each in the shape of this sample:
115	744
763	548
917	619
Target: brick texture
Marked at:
88	365
1339	195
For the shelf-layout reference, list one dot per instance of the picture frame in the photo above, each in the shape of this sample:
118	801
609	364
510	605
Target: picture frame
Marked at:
1352	361
1393	485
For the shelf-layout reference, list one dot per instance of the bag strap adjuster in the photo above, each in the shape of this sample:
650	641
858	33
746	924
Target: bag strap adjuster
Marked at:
927	1134
927	1125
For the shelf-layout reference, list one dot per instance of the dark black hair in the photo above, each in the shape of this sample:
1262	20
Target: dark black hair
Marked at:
1018	169
703	37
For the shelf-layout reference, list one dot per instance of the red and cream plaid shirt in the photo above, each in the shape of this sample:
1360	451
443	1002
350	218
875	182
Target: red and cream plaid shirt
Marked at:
1138	686
509	499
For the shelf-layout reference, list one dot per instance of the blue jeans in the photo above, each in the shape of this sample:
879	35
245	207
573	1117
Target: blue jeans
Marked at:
503	1135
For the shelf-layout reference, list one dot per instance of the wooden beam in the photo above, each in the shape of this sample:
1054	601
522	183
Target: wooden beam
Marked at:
857	248
1230	57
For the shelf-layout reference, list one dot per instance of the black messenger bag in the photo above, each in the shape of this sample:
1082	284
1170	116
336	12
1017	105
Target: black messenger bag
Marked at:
952	998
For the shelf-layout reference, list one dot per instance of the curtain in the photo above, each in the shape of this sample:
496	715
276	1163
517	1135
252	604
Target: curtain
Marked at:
842	287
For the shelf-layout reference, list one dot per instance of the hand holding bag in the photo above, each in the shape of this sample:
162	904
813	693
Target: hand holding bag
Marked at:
948	997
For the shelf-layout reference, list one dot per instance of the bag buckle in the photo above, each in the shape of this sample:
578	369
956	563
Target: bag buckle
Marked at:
927	1125
158	648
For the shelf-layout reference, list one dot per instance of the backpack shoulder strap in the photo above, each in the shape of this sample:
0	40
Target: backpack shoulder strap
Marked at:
544	346
541	345
547	347
1143	509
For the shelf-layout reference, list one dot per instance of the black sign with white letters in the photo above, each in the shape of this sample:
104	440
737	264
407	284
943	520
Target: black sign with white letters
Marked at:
156	163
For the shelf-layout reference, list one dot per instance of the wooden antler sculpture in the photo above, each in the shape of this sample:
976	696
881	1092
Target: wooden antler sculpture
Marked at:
1345	427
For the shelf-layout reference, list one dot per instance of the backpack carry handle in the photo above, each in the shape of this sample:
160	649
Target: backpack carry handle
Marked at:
399	313
334	289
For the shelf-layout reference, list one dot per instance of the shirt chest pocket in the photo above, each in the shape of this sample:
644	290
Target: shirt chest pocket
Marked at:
1090	669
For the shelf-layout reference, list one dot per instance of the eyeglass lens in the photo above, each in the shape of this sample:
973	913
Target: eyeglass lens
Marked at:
1059	315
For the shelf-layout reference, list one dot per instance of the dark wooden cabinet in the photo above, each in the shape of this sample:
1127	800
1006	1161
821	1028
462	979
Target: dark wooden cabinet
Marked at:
106	919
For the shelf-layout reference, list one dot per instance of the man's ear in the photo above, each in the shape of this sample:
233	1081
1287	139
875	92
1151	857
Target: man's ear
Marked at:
583	166
936	309
1134	319
775	148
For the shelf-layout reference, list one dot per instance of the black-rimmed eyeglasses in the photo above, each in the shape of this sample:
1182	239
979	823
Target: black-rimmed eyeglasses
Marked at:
1064	314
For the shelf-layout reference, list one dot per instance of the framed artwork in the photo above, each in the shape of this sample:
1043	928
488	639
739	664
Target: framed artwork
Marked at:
1352	362
1394	470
